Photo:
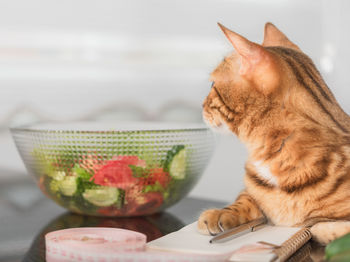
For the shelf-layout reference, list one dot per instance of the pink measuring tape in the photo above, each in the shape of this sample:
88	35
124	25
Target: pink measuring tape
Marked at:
111	245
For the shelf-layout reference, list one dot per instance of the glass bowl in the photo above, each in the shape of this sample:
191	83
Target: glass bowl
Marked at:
120	169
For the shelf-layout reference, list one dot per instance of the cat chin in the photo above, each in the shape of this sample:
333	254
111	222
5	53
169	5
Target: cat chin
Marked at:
223	129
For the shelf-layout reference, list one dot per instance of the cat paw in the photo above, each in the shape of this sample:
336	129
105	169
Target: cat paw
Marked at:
214	221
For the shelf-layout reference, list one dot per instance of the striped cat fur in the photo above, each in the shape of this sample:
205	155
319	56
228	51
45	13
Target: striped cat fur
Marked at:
298	171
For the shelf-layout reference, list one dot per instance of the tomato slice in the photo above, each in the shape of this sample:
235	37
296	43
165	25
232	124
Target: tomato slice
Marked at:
117	172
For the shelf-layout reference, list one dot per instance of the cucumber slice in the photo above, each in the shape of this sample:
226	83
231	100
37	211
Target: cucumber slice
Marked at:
54	186
57	175
68	186
102	197
175	162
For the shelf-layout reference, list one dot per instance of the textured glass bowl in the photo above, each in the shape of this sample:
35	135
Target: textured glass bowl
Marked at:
120	169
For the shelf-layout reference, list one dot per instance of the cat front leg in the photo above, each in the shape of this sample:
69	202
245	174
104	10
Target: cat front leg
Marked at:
214	221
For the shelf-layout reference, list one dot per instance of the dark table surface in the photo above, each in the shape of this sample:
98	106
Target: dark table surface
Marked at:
27	215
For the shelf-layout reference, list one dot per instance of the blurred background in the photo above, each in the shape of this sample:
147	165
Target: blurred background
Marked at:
147	60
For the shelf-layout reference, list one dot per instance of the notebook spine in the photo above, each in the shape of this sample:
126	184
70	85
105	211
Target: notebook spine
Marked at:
289	247
302	255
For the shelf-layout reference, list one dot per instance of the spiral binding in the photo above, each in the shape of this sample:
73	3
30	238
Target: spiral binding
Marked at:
290	246
302	255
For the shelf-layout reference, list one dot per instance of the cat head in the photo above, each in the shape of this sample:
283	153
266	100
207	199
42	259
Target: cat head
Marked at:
259	85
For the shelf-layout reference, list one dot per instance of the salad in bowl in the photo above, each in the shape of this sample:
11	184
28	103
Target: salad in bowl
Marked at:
120	170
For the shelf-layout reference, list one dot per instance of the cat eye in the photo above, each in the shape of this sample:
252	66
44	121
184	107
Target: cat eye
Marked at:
212	85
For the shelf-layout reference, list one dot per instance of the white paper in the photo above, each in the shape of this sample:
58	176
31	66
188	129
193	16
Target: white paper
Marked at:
189	240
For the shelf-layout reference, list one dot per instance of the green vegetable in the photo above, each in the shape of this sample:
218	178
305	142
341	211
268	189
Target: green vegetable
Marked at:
83	179
54	186
68	186
175	162
102	196
138	171
157	187
338	247
342	257
81	173
57	175
121	198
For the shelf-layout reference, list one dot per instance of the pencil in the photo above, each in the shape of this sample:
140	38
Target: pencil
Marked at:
239	230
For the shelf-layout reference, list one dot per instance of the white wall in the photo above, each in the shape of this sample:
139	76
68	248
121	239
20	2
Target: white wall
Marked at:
69	59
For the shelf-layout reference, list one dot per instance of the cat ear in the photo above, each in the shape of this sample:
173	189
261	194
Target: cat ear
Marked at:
274	37
257	64
249	52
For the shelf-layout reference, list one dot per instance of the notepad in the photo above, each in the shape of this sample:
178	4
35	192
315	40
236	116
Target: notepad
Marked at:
188	240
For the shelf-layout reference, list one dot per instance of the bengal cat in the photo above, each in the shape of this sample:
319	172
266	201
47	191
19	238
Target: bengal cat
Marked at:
298	138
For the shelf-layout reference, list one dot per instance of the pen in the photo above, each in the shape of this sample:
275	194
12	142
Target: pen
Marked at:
240	230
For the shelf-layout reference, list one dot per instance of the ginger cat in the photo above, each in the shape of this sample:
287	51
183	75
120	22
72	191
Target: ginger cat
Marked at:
298	138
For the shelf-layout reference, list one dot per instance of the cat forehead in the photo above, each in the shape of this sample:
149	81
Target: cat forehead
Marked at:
230	62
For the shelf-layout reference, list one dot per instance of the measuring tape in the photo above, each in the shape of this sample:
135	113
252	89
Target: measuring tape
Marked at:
111	245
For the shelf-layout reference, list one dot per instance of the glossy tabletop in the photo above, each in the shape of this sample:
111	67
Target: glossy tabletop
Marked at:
27	215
